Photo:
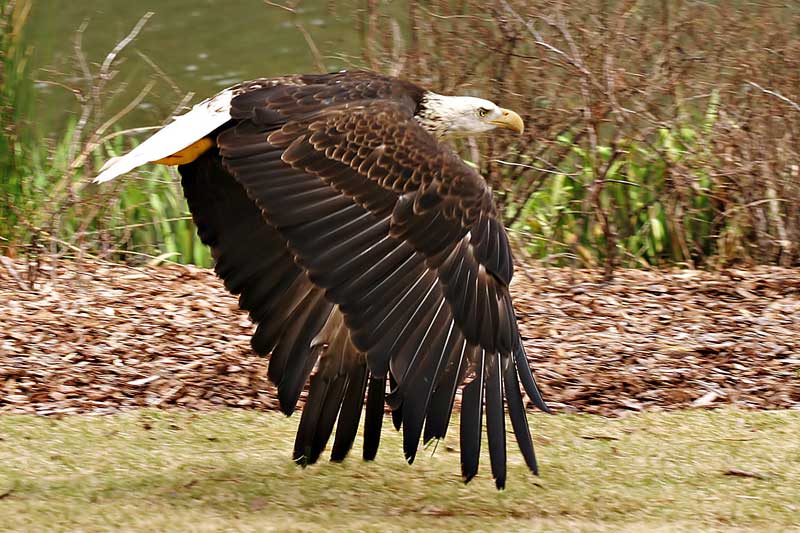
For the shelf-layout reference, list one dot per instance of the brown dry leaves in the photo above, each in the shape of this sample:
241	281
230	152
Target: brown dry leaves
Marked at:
658	339
100	337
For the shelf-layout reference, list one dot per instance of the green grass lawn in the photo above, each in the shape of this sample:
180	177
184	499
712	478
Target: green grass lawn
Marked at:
231	470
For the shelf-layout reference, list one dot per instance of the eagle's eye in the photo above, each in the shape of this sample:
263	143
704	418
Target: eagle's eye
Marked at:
482	112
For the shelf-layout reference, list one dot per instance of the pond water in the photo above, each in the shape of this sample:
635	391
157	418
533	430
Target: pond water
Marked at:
202	45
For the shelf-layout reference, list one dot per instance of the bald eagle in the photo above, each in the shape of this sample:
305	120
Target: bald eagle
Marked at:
368	254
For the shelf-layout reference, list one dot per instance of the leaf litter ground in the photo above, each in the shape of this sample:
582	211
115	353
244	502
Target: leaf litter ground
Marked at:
100	337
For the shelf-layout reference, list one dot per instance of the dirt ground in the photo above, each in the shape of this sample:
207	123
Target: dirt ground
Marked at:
97	337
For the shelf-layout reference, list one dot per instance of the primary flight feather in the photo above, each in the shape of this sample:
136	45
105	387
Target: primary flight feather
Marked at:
369	255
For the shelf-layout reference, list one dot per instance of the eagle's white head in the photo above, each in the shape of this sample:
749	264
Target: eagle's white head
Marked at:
464	116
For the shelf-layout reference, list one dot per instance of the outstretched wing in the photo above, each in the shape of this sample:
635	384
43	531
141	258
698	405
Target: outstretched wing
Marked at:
403	239
295	320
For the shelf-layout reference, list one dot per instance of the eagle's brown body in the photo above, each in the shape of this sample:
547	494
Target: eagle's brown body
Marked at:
368	254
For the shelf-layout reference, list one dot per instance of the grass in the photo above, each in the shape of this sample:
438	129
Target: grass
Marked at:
183	471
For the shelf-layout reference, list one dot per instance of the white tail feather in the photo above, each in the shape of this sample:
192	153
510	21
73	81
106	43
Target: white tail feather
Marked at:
186	129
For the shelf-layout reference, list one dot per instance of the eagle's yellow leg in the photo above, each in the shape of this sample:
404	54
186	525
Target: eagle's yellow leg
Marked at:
188	154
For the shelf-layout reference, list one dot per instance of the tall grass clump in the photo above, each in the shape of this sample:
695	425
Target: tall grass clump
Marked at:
48	204
13	82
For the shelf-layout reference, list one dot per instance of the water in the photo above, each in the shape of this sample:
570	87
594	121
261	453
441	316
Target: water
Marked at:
201	45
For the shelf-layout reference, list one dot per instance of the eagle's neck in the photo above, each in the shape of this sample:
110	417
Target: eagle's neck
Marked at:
432	113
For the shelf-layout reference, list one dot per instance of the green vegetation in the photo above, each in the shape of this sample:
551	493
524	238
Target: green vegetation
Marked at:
46	201
181	471
660	133
632	203
13	61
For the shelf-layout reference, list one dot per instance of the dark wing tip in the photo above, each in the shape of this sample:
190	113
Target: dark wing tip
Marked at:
471	422
495	418
350	414
303	459
519	418
373	416
527	379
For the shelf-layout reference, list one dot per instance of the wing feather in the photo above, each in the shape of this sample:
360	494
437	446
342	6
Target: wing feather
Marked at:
373	416
472	415
441	403
495	419
350	416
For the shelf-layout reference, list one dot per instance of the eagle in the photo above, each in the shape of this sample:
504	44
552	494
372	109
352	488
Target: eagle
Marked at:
368	254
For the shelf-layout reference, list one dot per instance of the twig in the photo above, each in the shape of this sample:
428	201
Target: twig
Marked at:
177	90
12	271
538	169
139	225
92	144
87	104
319	61
451	17
538	39
97	258
181	105
128	131
280	6
776	94
398	47
105	75
127	109
744	473
112	55
75	92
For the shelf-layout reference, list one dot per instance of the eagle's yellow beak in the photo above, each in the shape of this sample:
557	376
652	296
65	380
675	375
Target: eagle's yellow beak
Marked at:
509	120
